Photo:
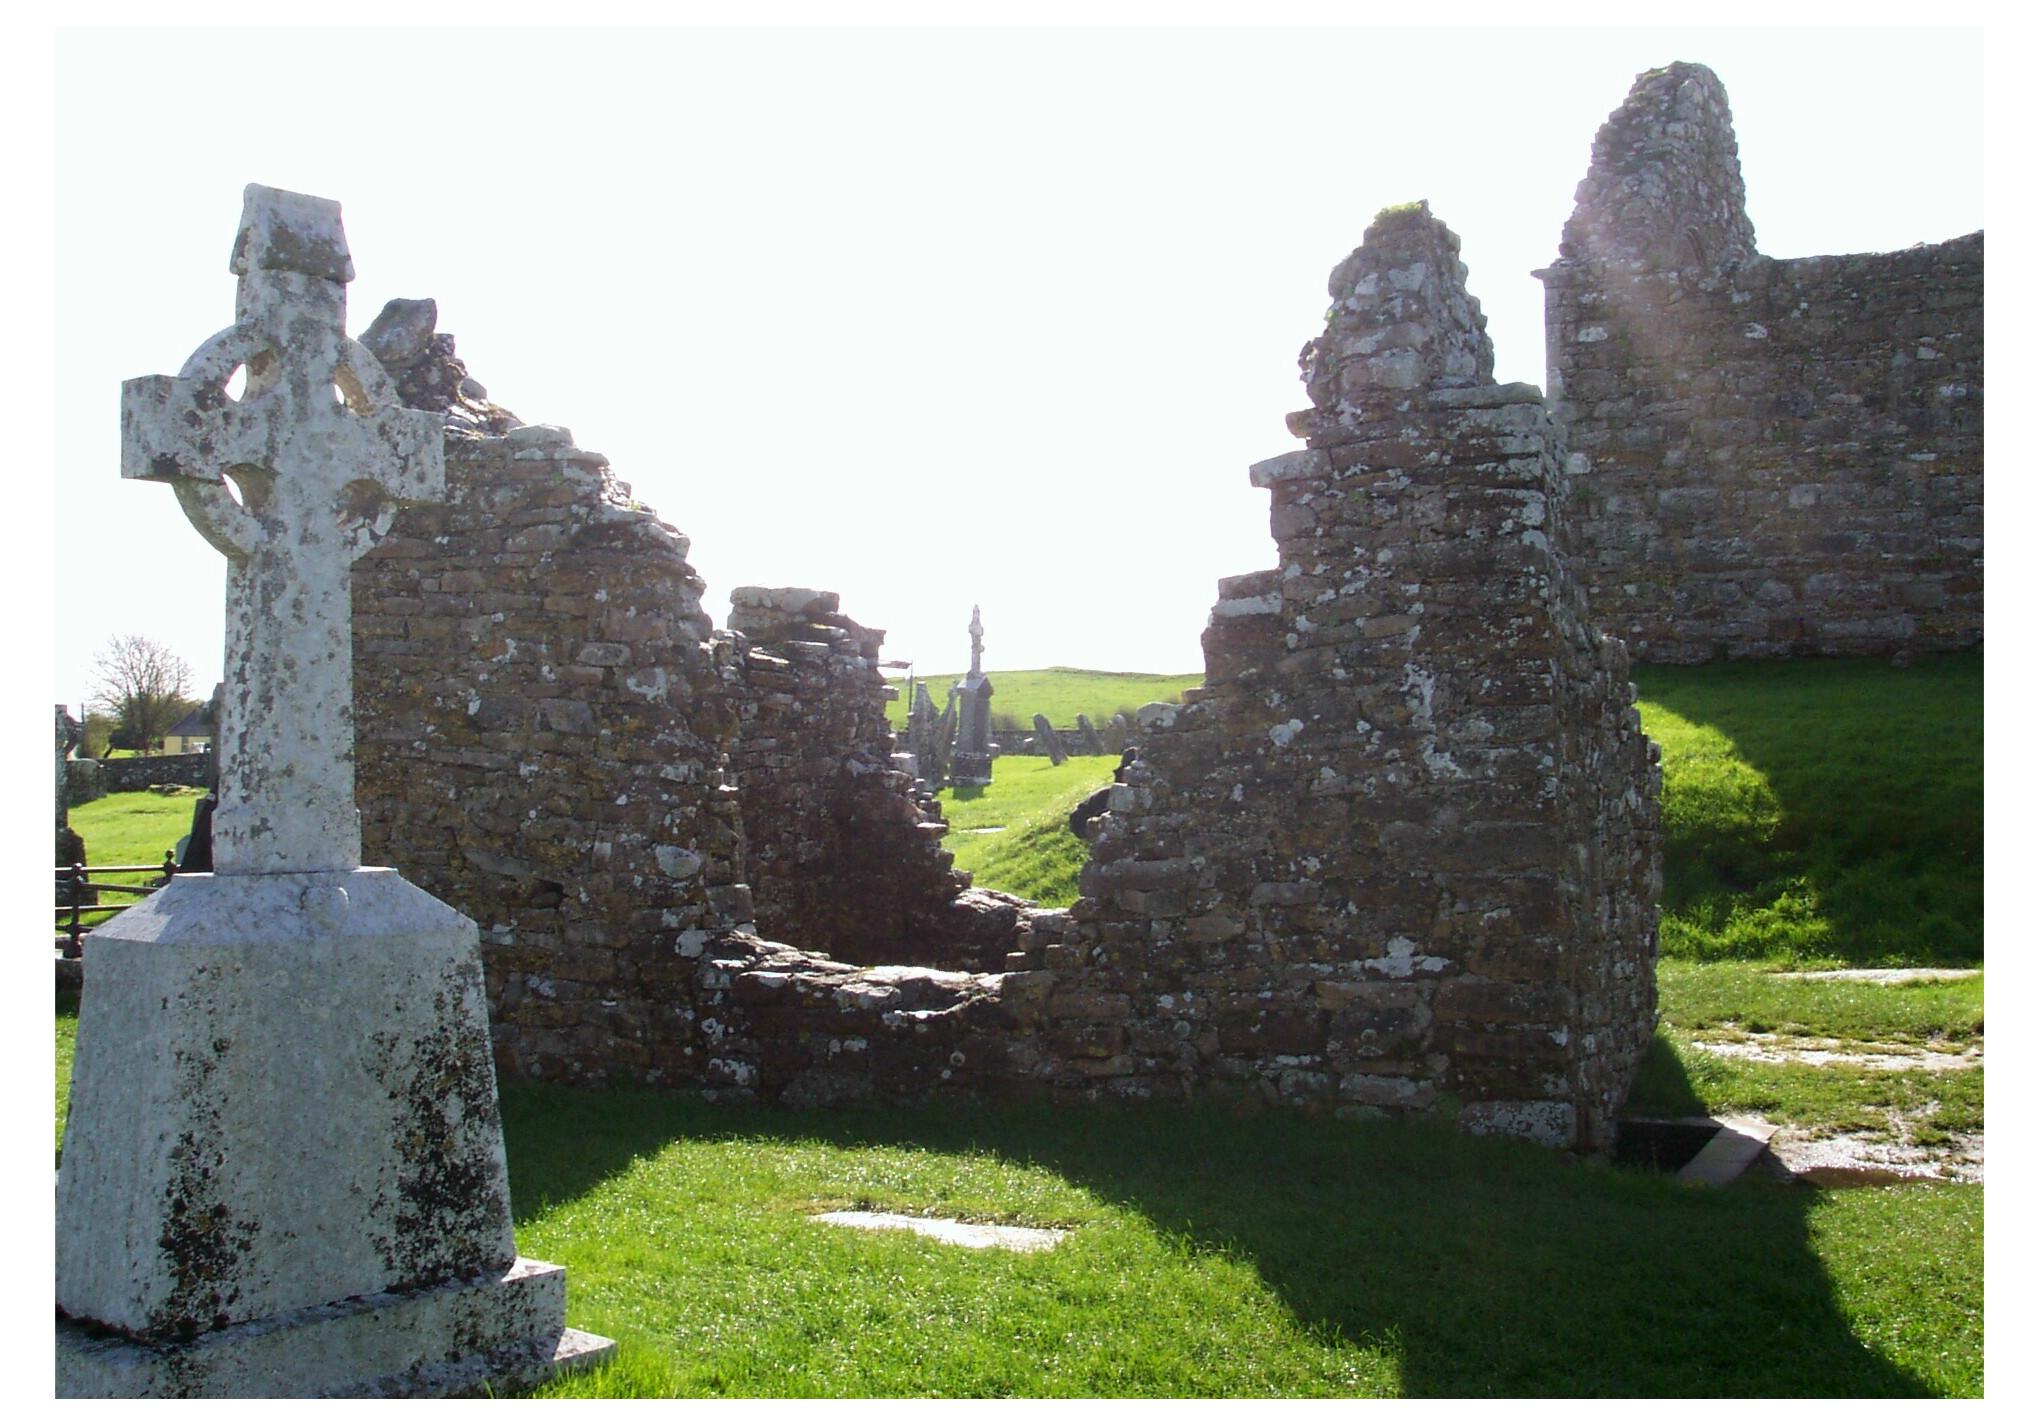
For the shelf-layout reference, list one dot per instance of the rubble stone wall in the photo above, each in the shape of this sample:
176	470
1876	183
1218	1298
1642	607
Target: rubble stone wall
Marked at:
553	738
1401	851
844	860
543	722
141	773
1771	457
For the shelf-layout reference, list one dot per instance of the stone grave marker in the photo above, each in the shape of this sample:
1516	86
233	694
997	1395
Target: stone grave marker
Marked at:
1048	741
972	756
70	845
283	1170
1089	737
926	737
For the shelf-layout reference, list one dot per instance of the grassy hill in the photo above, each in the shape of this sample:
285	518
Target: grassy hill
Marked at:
1822	810
1059	693
1013	835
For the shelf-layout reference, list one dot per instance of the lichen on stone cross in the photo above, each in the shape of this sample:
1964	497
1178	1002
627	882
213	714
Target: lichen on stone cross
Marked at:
293	481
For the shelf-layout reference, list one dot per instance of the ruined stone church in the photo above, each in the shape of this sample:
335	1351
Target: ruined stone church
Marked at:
1398	852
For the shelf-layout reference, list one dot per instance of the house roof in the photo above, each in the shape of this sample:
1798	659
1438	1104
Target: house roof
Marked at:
194	724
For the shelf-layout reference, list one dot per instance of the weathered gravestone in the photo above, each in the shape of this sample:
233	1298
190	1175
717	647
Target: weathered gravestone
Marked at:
927	739
70	845
1089	737
972	756
1048	741
283	1170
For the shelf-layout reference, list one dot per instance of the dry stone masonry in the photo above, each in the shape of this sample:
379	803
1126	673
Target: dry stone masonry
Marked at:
558	740
844	861
1771	457
1400	851
546	731
1397	853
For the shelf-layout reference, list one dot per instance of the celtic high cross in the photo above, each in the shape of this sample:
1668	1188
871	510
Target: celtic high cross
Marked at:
293	481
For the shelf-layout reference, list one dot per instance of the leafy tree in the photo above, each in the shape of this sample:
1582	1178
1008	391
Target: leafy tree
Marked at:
99	734
141	685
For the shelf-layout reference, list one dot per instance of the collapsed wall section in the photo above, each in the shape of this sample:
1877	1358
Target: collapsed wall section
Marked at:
1400	852
1771	458
553	738
844	860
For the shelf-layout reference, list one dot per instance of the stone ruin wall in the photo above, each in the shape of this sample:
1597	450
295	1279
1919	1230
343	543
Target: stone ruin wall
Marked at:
1401	850
542	722
553	737
1771	458
844	859
1399	853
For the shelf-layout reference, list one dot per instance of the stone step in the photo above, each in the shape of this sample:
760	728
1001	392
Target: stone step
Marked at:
1739	1143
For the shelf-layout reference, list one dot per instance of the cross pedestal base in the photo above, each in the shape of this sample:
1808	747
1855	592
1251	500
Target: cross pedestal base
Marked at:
460	1337
283	1166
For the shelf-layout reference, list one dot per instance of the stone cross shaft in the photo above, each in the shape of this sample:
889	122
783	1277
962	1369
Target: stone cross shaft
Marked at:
293	481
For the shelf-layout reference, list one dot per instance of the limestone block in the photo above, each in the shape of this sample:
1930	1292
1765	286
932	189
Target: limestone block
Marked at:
500	1328
282	1097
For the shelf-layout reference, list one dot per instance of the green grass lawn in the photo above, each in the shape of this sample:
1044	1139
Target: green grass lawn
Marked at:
1828	812
1211	1255
1217	1256
1723	998
135	827
1719	1002
1060	694
1034	855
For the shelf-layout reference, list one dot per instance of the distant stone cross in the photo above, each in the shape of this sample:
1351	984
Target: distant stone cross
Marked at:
293	481
978	639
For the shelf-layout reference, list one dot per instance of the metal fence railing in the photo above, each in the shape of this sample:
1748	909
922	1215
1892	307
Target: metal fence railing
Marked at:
79	895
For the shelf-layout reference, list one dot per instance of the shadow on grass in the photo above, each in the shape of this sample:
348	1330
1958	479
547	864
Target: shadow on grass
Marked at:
1661	1088
1878	773
1494	1267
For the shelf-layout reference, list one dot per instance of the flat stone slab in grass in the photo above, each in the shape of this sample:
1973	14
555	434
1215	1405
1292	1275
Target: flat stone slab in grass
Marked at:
1884	976
1866	1159
1739	1142
1830	1052
977	1235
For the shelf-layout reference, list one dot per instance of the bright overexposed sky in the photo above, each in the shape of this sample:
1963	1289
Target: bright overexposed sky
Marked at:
932	317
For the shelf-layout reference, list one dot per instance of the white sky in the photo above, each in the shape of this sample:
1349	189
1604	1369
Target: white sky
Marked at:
929	317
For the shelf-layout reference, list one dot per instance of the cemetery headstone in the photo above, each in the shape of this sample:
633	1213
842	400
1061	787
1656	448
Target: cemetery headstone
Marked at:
283	1169
70	845
926	737
972	757
1089	737
1049	742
